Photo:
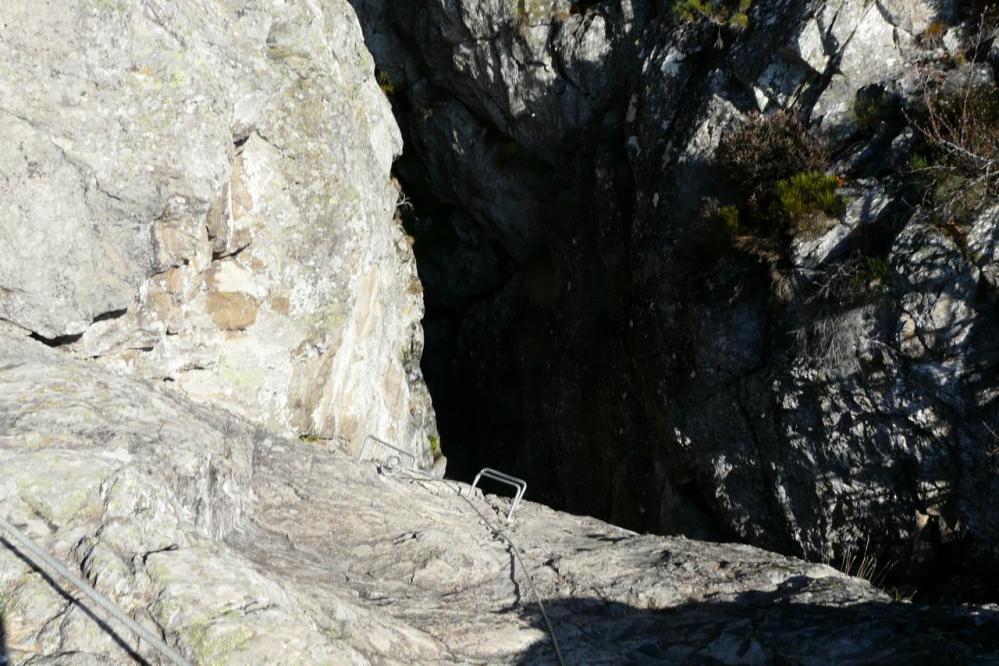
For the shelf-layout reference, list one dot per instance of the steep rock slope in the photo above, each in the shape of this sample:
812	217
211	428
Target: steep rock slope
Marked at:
198	262
822	393
241	547
198	192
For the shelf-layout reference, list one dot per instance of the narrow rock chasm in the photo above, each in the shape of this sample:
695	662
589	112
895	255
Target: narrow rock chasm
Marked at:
521	223
598	323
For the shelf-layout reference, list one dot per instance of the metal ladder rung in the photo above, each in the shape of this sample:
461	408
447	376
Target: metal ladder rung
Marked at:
502	477
370	437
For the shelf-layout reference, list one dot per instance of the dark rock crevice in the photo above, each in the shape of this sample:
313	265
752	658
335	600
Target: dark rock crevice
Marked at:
58	341
587	331
111	314
71	338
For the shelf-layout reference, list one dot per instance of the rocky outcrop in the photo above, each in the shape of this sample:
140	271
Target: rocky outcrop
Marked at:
241	547
629	367
198	192
206	301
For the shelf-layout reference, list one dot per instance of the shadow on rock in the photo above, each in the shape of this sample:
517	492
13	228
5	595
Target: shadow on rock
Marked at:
70	598
3	640
780	627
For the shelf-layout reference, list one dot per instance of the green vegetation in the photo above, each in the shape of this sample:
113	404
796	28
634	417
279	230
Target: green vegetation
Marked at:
856	278
729	216
775	189
435	447
877	271
729	13
720	227
765	150
386	84
956	166
807	197
775	169
862	277
725	218
919	163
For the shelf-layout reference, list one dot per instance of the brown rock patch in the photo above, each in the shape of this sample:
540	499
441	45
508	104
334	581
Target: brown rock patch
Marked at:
232	311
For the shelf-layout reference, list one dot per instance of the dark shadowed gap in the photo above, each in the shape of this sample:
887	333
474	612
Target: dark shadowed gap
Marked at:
766	627
57	341
562	389
4	660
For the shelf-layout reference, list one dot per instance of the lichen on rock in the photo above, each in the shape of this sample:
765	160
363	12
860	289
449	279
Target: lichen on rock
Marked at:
199	162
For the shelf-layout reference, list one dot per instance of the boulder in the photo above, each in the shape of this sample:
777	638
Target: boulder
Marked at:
866	203
200	194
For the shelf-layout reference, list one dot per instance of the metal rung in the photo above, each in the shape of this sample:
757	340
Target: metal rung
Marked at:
497	475
371	437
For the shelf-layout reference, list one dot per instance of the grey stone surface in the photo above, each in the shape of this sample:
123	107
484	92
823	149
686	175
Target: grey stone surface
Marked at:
198	212
915	16
200	190
867	202
983	243
245	548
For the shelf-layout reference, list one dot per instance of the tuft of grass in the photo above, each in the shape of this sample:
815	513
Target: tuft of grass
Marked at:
806	197
773	169
857	278
733	14
767	149
863	563
386	84
958	122
871	276
932	36
435	447
720	229
919	163
878	271
729	216
726	217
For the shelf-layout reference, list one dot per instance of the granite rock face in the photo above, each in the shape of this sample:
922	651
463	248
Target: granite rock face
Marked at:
241	547
207	299
199	193
625	366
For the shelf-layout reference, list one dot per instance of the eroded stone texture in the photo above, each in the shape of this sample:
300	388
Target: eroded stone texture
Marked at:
200	190
242	547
